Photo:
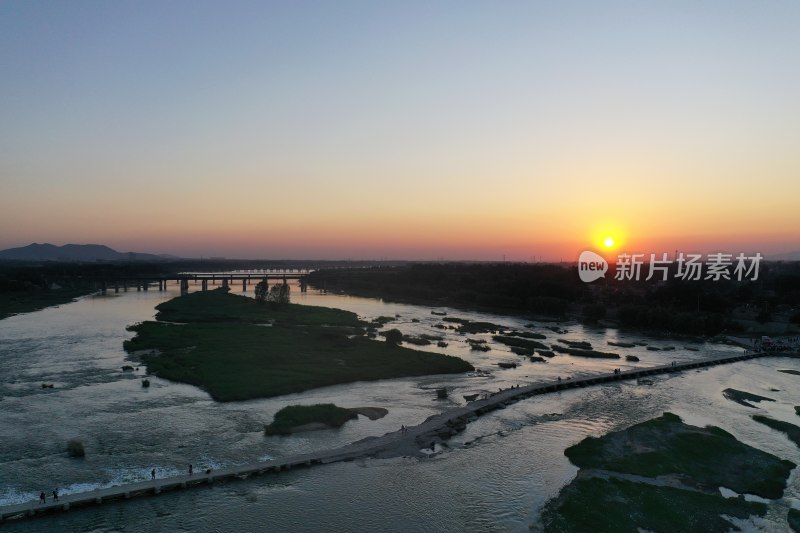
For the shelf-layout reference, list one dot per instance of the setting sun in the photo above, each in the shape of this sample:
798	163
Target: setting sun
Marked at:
607	236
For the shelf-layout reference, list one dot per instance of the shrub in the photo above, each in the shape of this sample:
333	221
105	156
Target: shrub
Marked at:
297	415
75	448
279	294
394	336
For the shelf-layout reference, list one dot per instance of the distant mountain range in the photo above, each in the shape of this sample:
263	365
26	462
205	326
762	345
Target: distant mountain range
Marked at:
75	253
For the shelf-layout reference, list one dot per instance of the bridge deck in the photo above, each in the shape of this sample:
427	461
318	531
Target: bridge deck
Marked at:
433	429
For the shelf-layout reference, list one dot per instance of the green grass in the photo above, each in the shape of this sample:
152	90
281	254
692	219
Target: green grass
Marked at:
528	335
468	326
297	415
220	306
744	398
612	506
580	345
15	302
704	457
236	359
579	352
794	520
701	459
519	343
791	431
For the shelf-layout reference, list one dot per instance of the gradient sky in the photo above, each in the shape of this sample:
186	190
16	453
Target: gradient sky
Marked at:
418	130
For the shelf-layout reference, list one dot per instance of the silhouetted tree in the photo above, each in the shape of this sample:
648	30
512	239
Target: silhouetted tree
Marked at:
279	294
261	291
594	312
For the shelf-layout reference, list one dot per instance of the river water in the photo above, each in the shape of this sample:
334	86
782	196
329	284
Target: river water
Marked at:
496	476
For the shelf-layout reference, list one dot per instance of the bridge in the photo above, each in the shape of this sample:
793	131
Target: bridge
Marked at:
435	429
185	279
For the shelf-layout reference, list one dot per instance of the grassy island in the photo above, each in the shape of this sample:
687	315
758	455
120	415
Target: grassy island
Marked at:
299	417
791	431
237	349
664	475
744	398
794	520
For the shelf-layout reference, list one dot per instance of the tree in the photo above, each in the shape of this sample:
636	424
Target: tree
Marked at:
594	312
279	294
261	291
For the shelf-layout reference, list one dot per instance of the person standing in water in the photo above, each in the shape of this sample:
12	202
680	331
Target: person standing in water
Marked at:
153	474
42	498
190	470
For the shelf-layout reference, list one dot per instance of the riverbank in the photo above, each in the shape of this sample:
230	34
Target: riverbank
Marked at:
555	291
237	349
27	301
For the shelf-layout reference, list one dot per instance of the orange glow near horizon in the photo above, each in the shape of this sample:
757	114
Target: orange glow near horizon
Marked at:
547	234
297	135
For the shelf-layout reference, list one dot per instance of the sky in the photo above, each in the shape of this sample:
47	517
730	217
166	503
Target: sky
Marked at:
400	130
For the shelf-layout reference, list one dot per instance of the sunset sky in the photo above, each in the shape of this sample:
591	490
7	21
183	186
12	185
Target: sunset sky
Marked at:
419	130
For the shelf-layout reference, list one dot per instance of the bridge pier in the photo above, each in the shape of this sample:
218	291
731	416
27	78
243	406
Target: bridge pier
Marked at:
104	287
244	285
116	288
205	285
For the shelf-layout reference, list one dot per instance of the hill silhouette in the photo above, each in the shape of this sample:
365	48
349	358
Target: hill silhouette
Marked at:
74	253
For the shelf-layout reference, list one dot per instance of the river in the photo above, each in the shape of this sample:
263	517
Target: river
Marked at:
495	476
